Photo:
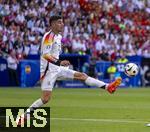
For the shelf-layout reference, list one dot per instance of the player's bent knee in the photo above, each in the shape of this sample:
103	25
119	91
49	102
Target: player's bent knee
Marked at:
84	76
81	76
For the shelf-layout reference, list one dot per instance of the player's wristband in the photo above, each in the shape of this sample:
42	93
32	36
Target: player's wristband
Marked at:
57	62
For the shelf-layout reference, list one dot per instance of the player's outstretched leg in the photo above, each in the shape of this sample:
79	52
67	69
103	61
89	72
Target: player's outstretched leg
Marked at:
111	88
46	95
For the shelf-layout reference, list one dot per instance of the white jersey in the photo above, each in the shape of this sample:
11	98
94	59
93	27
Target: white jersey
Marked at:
51	44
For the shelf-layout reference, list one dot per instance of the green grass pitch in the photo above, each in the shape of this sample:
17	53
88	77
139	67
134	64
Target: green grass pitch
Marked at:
89	110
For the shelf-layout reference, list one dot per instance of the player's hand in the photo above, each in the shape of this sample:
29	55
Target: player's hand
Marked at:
65	63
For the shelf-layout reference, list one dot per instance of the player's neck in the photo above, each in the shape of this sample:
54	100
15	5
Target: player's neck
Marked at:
55	32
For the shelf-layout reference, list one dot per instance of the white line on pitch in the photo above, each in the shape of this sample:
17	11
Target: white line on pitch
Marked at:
100	120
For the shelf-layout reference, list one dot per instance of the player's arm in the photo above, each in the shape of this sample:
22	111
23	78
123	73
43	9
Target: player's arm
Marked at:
55	61
51	59
46	50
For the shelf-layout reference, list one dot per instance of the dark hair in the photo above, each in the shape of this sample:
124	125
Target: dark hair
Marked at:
54	18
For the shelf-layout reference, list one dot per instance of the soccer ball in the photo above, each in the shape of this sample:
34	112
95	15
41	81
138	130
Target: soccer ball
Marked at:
131	69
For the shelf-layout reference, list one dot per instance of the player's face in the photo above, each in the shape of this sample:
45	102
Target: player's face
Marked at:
59	25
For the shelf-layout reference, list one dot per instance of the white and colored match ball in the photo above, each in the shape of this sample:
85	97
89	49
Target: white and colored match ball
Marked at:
131	69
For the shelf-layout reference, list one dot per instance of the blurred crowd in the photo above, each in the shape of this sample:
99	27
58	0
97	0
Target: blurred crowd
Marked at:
104	29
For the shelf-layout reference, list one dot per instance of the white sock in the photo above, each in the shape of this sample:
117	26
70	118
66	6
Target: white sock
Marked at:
95	82
38	103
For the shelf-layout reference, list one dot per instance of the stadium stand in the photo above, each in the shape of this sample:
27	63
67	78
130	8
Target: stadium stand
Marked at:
91	27
103	29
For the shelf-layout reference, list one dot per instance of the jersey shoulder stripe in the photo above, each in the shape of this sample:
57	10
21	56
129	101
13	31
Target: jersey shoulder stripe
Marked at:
48	39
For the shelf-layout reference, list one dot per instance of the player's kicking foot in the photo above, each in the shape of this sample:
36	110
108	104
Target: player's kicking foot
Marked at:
111	88
20	120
